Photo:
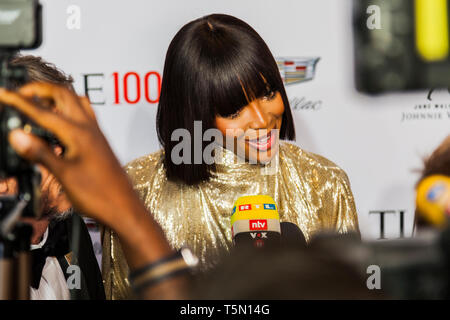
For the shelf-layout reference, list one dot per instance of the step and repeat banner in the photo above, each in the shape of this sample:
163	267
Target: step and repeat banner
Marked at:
115	52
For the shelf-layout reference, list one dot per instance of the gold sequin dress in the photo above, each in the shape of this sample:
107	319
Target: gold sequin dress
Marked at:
309	190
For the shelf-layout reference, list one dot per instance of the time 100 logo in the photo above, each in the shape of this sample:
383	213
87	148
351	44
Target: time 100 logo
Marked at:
128	88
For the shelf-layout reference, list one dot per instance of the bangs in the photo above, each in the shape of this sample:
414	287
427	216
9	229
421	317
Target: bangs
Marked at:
242	70
237	87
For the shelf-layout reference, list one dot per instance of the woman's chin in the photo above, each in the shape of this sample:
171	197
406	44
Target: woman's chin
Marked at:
266	157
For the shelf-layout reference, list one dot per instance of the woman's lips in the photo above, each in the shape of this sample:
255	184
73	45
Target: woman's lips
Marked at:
262	143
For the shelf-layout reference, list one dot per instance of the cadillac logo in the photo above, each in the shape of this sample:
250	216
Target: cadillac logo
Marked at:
297	69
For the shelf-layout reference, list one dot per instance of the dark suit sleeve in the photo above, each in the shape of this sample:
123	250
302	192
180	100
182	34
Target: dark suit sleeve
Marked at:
84	256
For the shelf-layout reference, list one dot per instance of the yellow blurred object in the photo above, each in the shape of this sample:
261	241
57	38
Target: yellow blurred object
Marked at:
433	199
431	24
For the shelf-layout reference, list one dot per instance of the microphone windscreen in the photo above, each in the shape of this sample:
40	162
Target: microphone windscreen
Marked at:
255	220
433	199
291	235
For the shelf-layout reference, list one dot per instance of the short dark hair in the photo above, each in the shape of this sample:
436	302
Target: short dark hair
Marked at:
40	70
439	161
209	64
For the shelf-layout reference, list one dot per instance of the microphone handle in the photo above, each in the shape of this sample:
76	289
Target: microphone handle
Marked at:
258	239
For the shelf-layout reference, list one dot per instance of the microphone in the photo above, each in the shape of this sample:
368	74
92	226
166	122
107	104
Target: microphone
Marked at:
291	235
255	221
433	200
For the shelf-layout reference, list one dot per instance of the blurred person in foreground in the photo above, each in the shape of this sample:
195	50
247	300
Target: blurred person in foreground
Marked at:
286	273
52	250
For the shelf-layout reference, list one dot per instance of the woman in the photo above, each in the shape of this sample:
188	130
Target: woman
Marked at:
219	71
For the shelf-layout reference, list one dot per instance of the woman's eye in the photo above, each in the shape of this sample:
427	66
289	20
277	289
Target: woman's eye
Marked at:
235	115
270	95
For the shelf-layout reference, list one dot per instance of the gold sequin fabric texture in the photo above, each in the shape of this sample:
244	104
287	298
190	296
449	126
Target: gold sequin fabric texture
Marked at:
309	190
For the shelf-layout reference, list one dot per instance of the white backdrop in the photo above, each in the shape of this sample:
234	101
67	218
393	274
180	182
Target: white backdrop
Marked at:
364	135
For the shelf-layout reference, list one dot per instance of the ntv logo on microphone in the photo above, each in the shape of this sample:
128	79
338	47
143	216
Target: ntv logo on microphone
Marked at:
258	224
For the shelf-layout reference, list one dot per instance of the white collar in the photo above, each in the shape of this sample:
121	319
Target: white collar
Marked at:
40	244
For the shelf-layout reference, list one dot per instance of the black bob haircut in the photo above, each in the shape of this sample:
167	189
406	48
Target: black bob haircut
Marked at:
208	64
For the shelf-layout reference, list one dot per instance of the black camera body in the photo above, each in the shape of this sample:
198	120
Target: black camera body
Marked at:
20	28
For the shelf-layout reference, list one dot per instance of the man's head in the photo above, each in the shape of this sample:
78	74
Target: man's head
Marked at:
439	161
53	200
40	70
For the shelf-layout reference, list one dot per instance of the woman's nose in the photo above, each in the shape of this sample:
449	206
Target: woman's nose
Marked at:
260	117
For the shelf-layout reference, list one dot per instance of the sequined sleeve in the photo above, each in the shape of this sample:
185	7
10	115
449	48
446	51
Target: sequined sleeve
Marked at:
346	218
114	266
337	211
314	193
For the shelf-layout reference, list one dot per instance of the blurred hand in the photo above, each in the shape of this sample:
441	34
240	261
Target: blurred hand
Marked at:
90	174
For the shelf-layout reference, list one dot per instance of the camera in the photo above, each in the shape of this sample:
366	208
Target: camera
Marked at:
20	28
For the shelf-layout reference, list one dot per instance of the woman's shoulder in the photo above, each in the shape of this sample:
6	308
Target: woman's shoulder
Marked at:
323	178
308	160
142	169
